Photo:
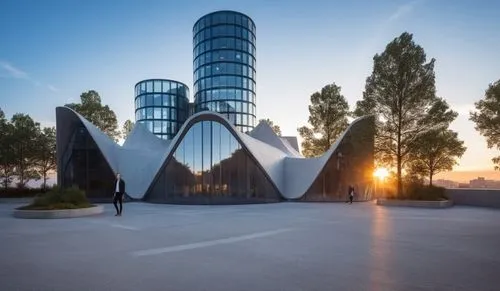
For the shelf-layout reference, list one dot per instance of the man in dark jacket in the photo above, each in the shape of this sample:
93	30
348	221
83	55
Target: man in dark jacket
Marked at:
119	192
350	193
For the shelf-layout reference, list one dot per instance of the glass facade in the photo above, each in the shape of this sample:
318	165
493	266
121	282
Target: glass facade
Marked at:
350	164
225	67
209	166
83	165
162	106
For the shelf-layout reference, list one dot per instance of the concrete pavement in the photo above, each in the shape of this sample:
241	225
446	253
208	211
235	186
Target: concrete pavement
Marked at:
283	246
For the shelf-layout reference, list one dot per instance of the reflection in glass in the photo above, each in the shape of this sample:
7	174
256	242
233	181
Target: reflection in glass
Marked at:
207	157
216	157
197	149
354	166
84	166
157	113
209	166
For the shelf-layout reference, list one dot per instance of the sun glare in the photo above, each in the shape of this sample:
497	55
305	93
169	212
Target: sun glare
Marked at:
381	173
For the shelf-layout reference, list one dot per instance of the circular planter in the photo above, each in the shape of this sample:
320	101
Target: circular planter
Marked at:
415	203
60	213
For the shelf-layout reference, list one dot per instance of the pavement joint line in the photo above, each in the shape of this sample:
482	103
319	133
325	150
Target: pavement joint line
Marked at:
124	226
209	243
115	225
439	218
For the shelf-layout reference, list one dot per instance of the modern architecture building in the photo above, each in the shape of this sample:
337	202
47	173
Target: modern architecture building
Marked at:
209	161
224	63
216	155
162	106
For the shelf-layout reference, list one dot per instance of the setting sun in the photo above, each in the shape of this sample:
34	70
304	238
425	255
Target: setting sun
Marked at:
381	173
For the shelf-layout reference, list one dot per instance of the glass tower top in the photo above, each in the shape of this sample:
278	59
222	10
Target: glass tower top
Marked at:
224	63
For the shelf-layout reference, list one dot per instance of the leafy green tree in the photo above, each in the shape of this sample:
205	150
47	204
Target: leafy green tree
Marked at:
46	153
128	125
401	93
6	151
276	128
436	151
328	114
487	118
25	133
101	116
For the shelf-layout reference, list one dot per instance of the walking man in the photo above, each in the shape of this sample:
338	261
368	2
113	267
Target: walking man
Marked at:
119	192
350	193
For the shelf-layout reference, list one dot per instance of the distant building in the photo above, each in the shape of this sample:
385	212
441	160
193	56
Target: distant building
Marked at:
446	183
463	185
482	183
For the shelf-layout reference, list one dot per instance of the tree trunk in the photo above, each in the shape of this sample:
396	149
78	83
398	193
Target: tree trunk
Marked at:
4	178
400	121
431	173
399	162
21	176
21	168
44	180
5	182
400	182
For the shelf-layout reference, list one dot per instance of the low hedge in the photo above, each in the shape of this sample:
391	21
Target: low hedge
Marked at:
69	198
421	193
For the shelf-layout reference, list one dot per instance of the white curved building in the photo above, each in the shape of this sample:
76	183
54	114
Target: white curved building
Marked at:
209	161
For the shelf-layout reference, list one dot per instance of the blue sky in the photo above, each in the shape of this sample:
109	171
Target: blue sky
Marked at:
51	51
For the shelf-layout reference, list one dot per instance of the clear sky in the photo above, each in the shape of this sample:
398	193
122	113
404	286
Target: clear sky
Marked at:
51	51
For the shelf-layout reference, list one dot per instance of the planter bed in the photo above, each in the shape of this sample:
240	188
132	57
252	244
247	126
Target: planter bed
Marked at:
415	203
59	213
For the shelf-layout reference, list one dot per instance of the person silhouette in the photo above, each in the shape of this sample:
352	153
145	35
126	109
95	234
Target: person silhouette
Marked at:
119	192
350	193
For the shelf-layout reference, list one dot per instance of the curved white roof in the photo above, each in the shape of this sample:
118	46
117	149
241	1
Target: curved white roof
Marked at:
143	154
266	134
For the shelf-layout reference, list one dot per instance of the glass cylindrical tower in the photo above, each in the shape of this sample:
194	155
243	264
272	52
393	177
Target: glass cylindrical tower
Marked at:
224	62
162	106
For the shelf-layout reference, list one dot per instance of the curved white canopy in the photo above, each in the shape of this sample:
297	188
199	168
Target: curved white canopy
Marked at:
143	153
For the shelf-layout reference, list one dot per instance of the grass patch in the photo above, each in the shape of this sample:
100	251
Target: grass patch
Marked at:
56	199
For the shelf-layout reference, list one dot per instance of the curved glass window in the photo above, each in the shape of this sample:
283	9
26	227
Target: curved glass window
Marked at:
224	61
84	165
210	166
350	164
162	105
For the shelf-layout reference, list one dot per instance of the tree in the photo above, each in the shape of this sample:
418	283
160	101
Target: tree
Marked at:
128	125
101	116
328	114
436	151
276	128
46	153
25	133
6	151
401	93
487	119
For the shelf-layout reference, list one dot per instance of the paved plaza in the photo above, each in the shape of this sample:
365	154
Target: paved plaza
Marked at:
283	246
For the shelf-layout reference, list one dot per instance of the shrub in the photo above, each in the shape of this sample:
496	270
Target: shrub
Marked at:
417	191
56	198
